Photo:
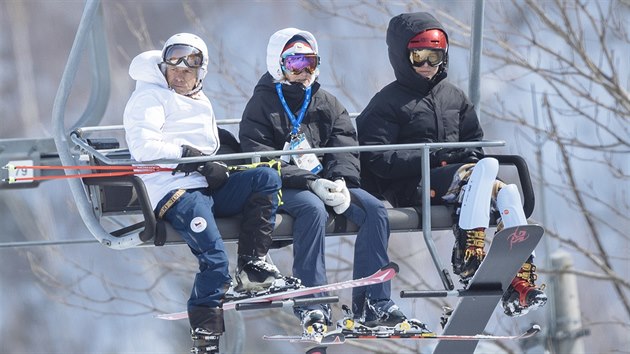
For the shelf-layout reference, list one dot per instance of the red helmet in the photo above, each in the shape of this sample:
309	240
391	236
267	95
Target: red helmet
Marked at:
432	38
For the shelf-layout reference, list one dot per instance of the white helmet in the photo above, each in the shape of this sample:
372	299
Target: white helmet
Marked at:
191	52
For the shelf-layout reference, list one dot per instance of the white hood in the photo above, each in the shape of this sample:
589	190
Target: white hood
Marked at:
274	50
144	68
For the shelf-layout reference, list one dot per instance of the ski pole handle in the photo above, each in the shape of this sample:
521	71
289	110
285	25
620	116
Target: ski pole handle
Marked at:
316	300
288	302
448	293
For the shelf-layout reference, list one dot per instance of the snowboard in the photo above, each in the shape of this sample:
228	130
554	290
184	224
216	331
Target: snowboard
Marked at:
382	275
510	248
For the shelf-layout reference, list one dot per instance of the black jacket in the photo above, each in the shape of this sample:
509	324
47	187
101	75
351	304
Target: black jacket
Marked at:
411	109
266	126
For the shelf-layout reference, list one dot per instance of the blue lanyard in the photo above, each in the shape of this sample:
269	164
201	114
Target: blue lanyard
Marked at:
295	122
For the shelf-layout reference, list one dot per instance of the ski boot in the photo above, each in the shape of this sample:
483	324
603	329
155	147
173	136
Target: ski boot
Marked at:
254	274
522	295
385	315
468	252
204	341
314	322
382	313
381	317
446	315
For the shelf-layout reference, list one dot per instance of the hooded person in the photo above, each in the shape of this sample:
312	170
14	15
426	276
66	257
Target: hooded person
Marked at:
301	50
169	117
420	106
289	111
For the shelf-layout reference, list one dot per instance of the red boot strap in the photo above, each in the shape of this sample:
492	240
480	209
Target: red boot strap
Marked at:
524	282
522	287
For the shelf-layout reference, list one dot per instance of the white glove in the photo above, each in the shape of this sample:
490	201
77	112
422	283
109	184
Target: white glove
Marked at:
341	208
327	191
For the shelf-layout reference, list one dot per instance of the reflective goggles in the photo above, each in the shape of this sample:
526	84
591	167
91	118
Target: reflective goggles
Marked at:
433	57
177	53
297	63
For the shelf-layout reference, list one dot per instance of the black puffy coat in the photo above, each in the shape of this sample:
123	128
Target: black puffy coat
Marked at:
411	109
265	126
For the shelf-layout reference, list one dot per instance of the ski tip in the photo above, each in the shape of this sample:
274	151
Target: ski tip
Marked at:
533	330
333	338
9	167
172	316
391	265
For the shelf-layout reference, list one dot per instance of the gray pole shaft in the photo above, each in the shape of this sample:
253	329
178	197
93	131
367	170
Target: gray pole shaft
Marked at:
474	82
542	208
567	302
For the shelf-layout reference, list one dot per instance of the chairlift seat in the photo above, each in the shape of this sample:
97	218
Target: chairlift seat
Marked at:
112	196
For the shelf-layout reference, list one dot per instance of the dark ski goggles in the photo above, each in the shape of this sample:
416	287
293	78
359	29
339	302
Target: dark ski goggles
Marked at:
178	53
433	57
297	63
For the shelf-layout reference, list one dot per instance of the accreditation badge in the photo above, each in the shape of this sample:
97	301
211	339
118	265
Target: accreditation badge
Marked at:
308	162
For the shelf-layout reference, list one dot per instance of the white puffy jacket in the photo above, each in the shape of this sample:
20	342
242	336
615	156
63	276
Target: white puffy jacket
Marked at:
158	121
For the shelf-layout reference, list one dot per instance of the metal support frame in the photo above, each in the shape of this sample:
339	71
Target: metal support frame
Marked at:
91	23
476	48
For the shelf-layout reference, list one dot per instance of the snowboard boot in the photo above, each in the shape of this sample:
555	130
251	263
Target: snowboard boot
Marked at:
468	252
523	295
204	341
254	274
314	322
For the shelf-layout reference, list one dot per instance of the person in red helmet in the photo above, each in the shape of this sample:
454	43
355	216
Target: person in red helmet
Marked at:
420	106
427	51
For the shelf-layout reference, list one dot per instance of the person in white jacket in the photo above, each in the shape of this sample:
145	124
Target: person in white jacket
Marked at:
169	117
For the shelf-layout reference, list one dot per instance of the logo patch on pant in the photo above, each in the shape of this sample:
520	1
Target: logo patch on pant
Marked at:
198	224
